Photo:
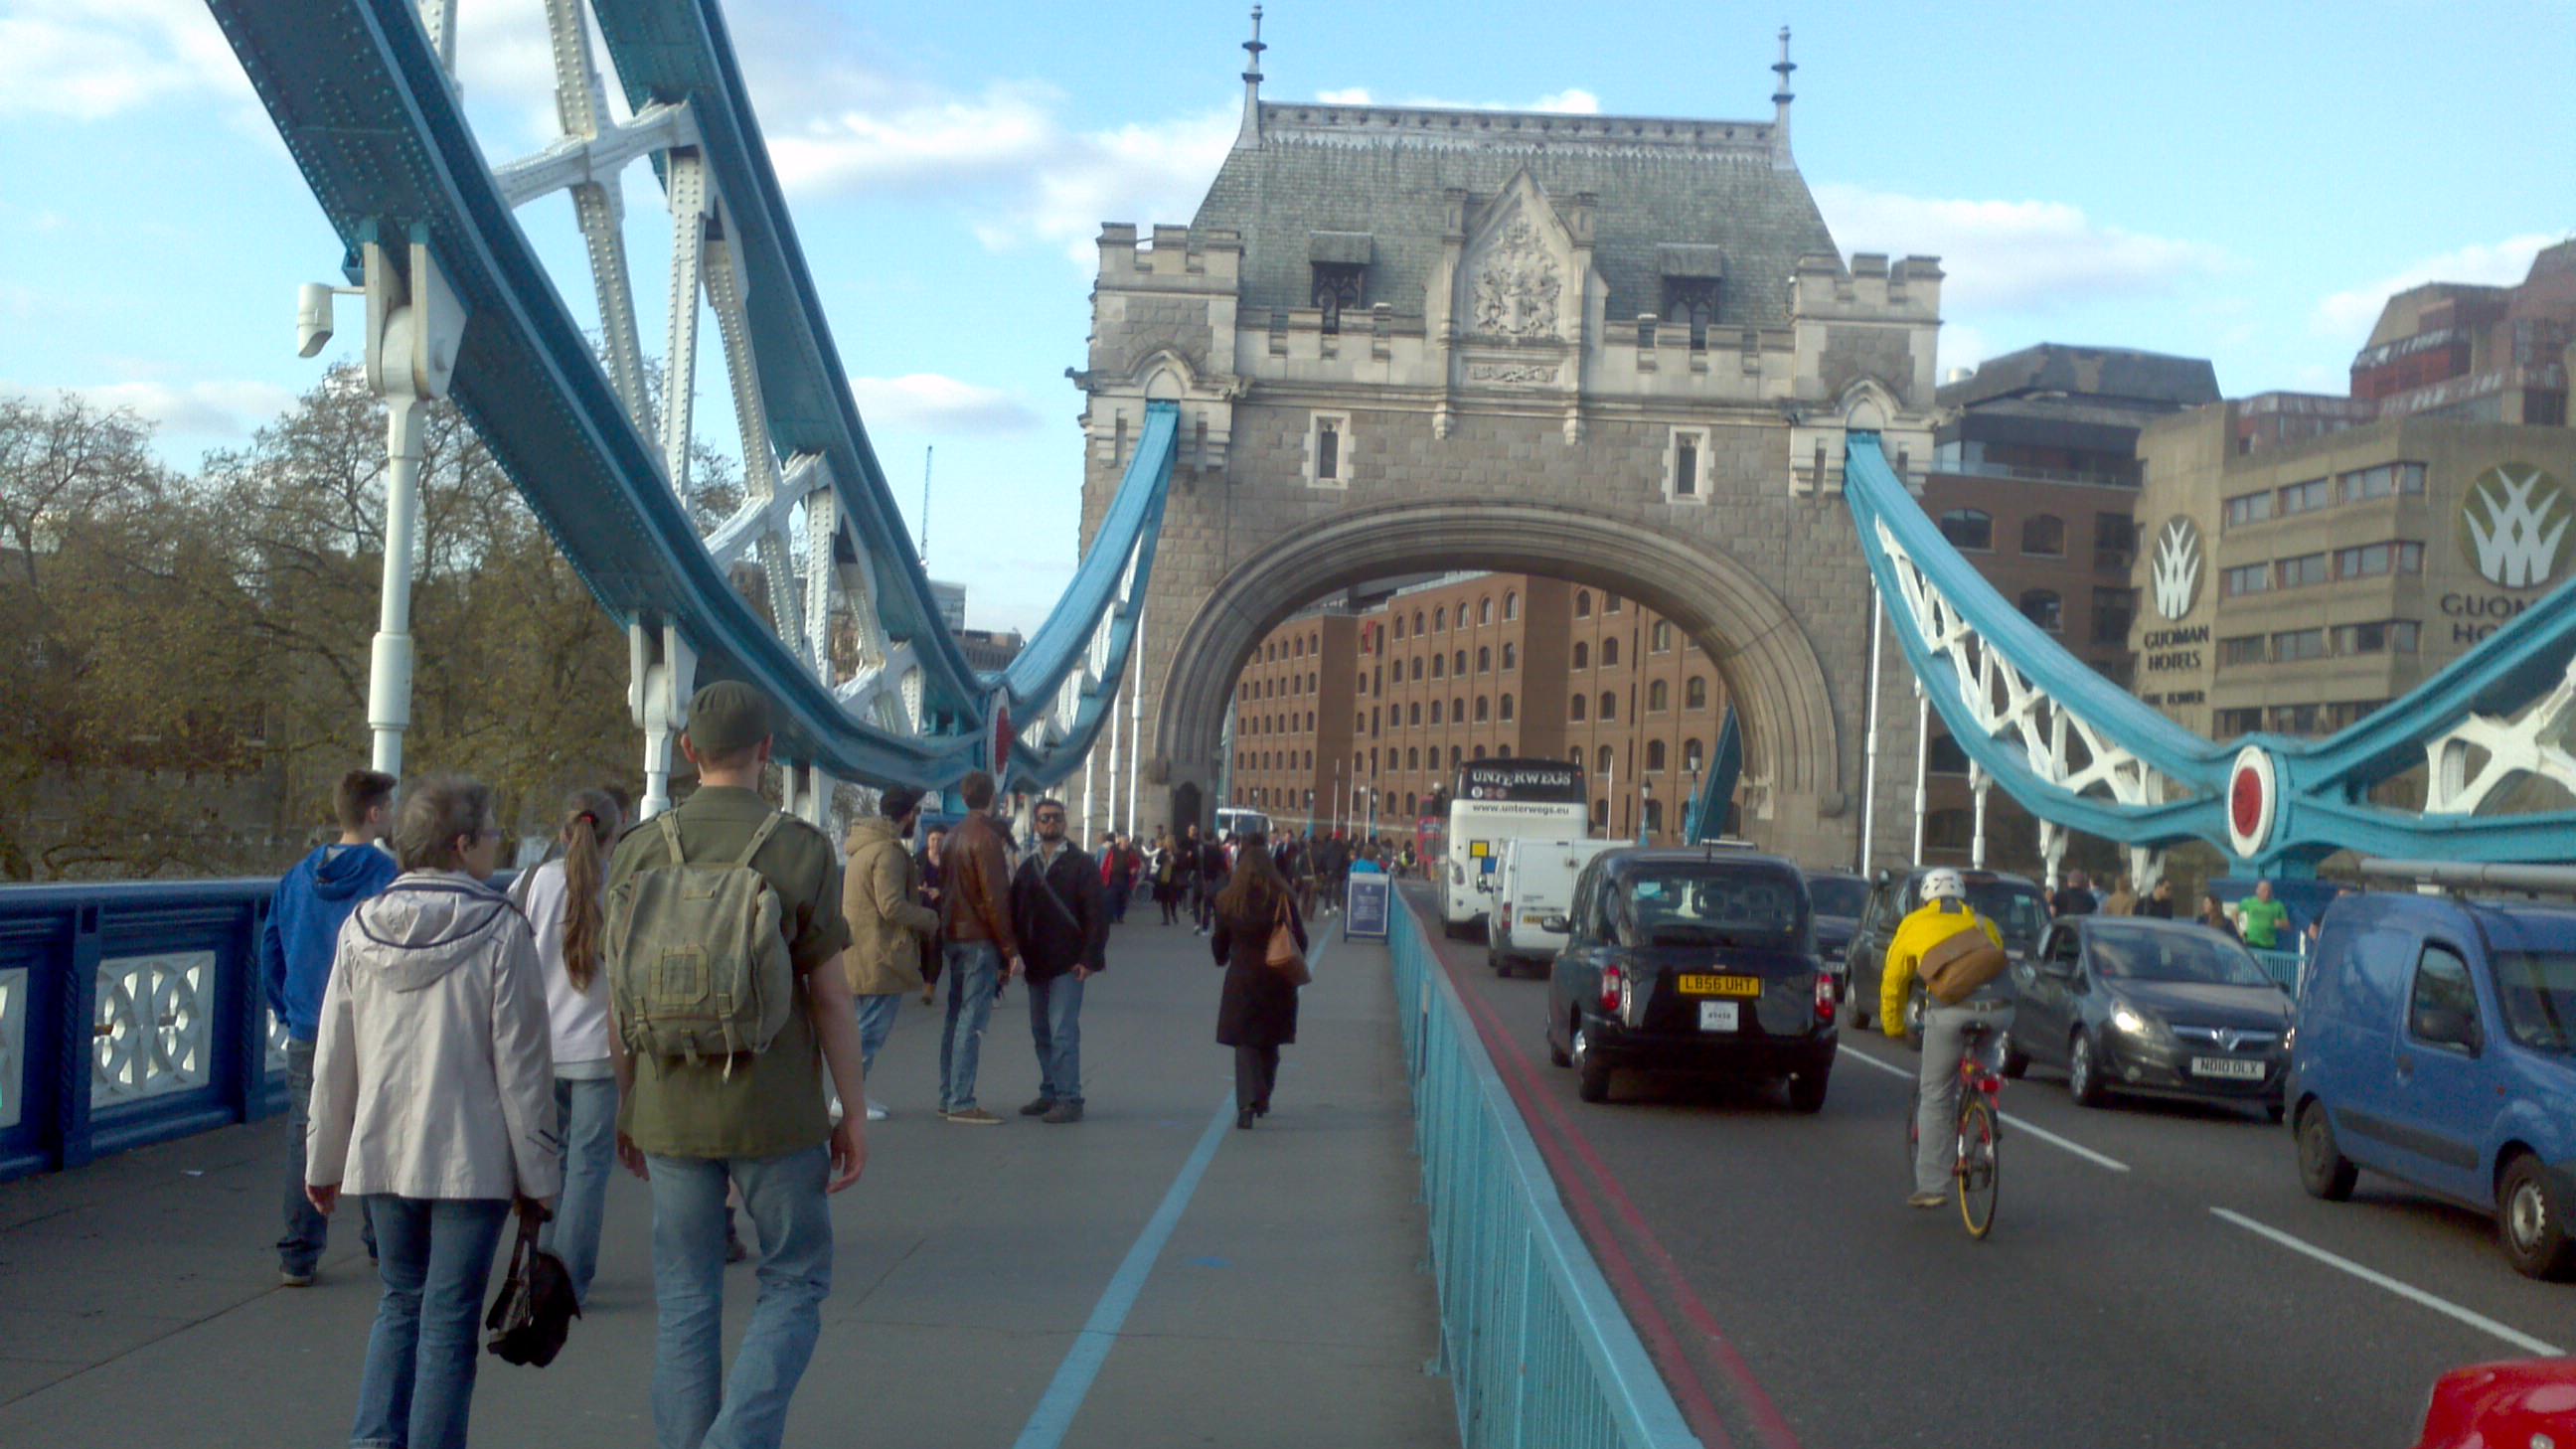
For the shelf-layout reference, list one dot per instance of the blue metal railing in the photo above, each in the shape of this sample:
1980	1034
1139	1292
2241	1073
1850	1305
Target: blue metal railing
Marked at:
131	1013
1537	1349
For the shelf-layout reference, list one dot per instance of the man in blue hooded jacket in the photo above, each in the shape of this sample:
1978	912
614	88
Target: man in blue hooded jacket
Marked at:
295	951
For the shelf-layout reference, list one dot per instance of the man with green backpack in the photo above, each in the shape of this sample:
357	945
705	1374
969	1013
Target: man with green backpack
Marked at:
724	941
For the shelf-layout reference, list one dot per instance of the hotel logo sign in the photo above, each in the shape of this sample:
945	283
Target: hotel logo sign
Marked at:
2176	567
2513	521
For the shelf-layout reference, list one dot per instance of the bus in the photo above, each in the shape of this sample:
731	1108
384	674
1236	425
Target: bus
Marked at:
1236	820
1498	800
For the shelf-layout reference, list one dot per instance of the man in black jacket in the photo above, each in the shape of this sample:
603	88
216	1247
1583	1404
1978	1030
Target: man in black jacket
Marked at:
1063	928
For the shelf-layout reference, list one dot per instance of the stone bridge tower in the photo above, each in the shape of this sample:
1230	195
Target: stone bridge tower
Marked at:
1614	349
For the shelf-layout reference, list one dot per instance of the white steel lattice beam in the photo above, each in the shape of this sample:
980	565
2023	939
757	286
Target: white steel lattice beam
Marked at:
692	217
2537	742
2004	702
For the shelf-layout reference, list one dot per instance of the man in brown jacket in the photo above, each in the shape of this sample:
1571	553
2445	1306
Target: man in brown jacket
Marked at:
880	890
980	951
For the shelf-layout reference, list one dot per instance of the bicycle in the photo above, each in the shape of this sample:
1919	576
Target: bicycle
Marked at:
1977	1171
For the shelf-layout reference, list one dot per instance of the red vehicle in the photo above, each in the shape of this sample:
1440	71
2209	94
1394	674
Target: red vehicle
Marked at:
2530	1404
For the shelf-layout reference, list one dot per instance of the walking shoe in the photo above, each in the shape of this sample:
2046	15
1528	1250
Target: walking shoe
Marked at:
1063	1112
973	1117
876	1113
1038	1108
1927	1199
1243	1120
289	1278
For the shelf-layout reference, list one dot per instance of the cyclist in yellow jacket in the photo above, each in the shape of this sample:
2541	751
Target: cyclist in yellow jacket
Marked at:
1947	1030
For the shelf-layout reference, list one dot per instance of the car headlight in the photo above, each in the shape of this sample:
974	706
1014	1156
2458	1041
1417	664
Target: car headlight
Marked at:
2131	1022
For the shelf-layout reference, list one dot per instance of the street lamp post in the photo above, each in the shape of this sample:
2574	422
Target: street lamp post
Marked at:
1645	802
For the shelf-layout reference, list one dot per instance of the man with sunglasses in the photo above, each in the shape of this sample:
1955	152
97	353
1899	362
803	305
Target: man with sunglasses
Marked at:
1062	923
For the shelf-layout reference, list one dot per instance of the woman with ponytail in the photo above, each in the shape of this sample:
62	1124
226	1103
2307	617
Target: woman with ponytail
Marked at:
563	899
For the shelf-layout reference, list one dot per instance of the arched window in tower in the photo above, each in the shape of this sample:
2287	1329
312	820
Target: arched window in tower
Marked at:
1484	708
1511	656
1458	662
1507	709
1511	605
1417	621
1484	659
1438	662
1574	708
1655	756
1583	603
1417	666
1457	711
1413	758
1416	719
1695	694
1582	656
1659	696
1609	704
1663	636
1485	610
1609	652
1399	626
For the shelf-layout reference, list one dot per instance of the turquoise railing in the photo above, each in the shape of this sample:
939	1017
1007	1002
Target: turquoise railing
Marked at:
1538	1352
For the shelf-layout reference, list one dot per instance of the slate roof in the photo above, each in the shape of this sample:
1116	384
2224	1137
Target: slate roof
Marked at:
1382	170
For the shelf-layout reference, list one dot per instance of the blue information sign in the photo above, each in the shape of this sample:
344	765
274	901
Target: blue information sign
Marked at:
1368	899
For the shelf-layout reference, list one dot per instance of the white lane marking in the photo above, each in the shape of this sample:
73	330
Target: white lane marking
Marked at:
2016	1123
2479	1321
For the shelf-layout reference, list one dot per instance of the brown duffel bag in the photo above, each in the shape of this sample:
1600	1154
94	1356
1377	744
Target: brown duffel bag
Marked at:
1953	970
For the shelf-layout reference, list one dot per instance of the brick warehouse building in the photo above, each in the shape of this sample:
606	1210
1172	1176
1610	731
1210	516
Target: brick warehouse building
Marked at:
1391	693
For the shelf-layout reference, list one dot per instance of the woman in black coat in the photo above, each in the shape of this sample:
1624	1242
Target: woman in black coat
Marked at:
1258	1014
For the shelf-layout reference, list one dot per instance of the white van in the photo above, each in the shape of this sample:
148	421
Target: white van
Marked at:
1534	882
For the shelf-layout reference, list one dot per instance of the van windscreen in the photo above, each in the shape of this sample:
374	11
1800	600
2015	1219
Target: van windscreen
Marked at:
2537	992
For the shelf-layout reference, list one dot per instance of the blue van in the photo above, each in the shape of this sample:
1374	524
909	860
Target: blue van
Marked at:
2436	1044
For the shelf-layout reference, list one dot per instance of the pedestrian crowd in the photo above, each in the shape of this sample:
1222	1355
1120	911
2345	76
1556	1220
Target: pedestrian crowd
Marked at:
701	997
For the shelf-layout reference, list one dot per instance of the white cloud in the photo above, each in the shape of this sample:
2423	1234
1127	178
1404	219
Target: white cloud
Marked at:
206	409
2025	256
2349	314
90	59
931	403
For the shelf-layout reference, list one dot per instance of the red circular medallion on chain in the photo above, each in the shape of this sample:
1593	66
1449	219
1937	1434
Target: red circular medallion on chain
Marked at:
2245	801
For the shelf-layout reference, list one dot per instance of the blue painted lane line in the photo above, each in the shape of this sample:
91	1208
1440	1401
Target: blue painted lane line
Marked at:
1053	1417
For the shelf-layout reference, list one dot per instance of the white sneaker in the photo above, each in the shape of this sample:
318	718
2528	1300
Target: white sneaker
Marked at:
876	1113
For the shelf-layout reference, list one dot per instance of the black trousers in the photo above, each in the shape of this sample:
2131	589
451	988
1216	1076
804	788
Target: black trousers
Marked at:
1256	1071
1203	902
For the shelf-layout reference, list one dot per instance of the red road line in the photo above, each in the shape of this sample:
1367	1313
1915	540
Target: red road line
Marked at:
1773	1427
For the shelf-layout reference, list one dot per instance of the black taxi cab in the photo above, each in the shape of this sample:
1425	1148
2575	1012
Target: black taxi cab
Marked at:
1699	961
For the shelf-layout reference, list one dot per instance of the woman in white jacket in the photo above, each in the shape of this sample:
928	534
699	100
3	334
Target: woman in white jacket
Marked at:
562	898
433	1097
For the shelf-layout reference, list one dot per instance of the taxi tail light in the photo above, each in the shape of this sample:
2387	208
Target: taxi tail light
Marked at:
1824	996
1611	980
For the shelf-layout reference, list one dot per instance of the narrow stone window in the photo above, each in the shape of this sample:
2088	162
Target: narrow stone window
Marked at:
1692	300
1337	286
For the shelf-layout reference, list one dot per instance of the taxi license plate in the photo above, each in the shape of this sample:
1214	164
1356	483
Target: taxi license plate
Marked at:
1705	985
2229	1068
1718	1015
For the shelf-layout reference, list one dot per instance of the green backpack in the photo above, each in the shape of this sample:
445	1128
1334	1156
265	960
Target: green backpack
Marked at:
697	955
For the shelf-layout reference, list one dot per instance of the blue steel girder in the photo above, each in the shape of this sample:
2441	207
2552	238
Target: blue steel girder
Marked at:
2079	751
368	112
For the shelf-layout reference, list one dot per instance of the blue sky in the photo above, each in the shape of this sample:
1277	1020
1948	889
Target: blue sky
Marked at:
2243	182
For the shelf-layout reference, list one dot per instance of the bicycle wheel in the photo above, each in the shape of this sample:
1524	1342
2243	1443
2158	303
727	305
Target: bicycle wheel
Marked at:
1979	1171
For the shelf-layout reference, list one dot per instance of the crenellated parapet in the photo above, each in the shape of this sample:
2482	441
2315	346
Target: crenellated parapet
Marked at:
1864	340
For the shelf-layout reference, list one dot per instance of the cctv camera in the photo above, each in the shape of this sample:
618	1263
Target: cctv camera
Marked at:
312	318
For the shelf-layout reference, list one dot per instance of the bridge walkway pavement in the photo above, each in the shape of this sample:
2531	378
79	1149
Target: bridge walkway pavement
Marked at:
139	1303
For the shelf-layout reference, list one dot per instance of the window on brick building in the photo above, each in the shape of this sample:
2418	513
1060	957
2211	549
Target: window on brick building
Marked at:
1969	528
1661	637
1695	693
2044	536
1485	610
1484	708
1511	606
1507	709
1583	603
1602	759
1609	705
1582	656
1574	707
1511	656
1659	696
1484	659
1609	653
1691	756
1655	756
1440	621
2044	608
1435	711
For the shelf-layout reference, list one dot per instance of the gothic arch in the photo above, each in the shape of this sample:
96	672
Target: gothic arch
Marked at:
1758	647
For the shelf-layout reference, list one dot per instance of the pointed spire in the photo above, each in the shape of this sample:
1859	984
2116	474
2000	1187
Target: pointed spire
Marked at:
1780	99
1250	135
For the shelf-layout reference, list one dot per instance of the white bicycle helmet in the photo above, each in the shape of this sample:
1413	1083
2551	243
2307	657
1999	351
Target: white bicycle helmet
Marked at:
1944	884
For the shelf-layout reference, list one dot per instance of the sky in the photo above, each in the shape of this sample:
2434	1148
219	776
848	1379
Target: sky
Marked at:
2242	182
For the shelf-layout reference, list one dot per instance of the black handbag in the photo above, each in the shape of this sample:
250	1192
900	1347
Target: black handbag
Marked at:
532	1317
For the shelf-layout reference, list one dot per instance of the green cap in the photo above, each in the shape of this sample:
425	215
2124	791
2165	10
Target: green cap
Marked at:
726	716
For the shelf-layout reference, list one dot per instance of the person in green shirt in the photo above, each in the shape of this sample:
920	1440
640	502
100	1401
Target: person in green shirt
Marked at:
2262	917
757	1121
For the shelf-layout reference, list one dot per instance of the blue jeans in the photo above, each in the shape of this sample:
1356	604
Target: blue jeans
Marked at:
586	1115
694	1405
974	972
1055	1026
876	1023
307	1233
418	1390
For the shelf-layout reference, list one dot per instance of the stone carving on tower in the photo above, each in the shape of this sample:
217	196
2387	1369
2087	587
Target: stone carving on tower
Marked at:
1515	286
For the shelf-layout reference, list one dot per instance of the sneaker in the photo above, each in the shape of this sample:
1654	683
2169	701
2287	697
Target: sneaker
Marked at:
289	1278
1927	1199
876	1113
1063	1112
1038	1108
973	1117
